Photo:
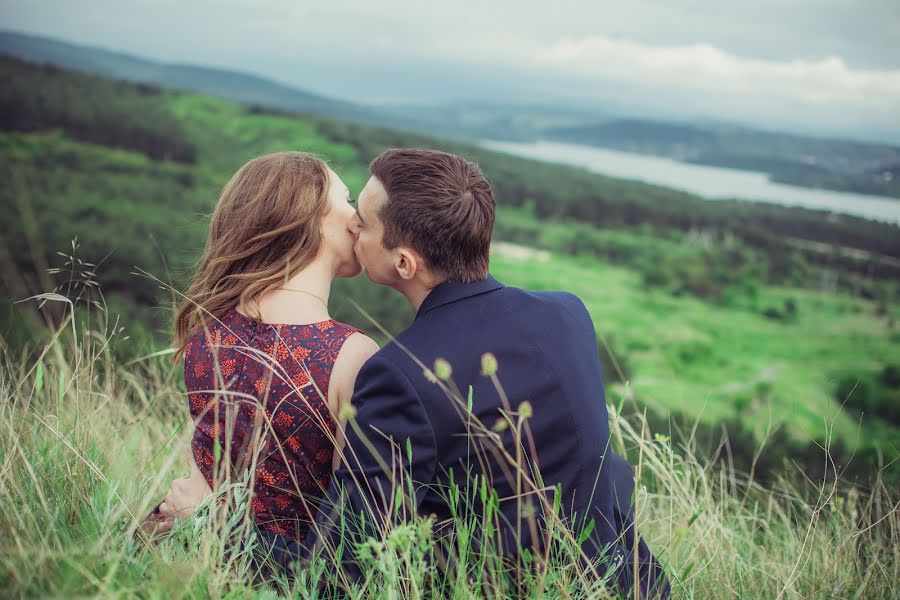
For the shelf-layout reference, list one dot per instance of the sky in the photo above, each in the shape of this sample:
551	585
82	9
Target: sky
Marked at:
821	67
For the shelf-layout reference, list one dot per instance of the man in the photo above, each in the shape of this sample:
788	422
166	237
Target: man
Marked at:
489	384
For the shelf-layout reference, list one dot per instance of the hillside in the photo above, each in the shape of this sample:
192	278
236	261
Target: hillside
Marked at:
232	85
743	316
842	165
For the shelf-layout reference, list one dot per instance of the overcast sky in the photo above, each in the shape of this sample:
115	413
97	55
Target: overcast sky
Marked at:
830	67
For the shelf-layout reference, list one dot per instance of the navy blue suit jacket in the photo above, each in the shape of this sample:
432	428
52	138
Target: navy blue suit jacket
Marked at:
547	354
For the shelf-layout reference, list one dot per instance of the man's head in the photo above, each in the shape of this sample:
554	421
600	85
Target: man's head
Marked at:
425	213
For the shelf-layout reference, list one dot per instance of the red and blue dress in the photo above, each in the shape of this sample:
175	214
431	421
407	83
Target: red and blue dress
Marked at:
258	396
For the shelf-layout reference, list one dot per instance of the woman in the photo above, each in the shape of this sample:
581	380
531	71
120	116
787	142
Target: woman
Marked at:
266	368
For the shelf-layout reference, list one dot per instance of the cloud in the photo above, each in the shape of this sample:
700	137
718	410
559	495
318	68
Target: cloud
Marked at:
707	69
699	78
804	65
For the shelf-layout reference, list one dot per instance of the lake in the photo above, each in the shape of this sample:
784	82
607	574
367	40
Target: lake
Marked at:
709	182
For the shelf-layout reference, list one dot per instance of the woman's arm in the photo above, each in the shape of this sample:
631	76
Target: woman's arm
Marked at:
187	493
357	349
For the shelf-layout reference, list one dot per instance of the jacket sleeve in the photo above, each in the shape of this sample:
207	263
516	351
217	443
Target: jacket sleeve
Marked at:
390	448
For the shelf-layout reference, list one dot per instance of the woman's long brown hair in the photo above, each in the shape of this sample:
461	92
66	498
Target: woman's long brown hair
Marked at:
266	227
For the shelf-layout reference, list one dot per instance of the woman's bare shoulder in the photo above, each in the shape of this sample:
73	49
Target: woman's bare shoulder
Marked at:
356	350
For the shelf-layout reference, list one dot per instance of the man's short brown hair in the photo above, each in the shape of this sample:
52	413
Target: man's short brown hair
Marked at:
439	204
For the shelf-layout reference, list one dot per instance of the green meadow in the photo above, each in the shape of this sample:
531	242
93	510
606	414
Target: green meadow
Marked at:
714	362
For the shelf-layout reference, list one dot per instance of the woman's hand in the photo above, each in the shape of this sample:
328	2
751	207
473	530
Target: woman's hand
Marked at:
187	493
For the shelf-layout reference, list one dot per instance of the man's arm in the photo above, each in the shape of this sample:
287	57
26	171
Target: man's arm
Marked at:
390	424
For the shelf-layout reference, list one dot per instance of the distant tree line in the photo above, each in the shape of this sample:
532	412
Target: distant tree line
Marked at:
90	109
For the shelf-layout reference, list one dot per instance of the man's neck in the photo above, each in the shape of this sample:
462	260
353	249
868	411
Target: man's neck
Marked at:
416	291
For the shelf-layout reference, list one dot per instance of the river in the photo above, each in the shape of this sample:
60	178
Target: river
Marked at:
710	182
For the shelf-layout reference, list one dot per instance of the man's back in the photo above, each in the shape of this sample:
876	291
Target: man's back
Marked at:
501	385
546	355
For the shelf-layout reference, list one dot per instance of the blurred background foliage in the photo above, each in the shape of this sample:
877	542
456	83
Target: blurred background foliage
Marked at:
757	321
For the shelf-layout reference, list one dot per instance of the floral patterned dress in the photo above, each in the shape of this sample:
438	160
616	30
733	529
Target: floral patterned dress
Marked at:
258	397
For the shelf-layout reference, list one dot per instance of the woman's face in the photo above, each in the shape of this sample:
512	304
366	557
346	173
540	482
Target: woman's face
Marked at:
338	228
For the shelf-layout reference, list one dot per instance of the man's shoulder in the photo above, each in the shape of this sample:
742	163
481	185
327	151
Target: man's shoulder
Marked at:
386	355
504	300
386	370
545	299
396	355
553	296
508	300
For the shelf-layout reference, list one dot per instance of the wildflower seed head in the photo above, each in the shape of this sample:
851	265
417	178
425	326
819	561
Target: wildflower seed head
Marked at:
348	411
525	410
442	369
488	364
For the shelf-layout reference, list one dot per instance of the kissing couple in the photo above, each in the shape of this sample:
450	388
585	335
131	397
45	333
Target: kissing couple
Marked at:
490	404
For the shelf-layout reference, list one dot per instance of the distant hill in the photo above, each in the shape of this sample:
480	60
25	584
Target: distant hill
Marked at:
231	85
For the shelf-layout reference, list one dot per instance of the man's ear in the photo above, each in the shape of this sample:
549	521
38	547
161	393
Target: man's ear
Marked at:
407	263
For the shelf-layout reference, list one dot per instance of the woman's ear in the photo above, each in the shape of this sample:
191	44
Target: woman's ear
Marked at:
407	263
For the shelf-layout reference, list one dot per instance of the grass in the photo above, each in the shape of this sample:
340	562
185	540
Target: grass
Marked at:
89	444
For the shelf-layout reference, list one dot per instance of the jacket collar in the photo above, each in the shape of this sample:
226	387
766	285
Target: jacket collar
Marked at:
451	291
